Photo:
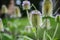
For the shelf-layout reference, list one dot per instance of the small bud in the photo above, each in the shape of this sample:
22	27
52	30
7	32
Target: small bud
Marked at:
47	8
36	18
57	19
26	5
4	9
1	25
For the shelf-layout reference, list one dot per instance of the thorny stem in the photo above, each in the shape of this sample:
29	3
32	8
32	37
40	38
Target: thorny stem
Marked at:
28	16
55	31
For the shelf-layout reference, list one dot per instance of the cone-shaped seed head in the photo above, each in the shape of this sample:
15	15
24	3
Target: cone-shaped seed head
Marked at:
47	8
4	9
36	18
17	12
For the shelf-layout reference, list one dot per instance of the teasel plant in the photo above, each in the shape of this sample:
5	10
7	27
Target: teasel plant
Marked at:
1	28
36	21
47	10
17	12
57	20
4	9
26	6
4	14
46	26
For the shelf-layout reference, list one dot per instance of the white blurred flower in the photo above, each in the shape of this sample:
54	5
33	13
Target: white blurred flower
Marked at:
1	25
47	8
18	2
4	9
36	18
26	5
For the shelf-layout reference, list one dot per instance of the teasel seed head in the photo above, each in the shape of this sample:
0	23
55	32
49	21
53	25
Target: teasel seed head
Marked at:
36	18
47	8
17	12
4	9
57	19
1	25
26	5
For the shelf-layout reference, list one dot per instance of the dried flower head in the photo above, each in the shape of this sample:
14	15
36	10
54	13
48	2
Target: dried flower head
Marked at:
47	8
4	9
17	12
1	25
26	5
36	18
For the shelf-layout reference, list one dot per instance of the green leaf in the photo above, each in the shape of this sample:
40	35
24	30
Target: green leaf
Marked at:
7	37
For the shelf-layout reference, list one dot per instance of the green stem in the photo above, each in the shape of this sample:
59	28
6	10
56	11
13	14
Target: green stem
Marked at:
37	38
49	36
34	6
44	35
14	32
28	16
14	36
56	10
55	31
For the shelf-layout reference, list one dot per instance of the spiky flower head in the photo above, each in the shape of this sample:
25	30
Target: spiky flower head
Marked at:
17	11
26	5
4	9
36	18
47	8
1	25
